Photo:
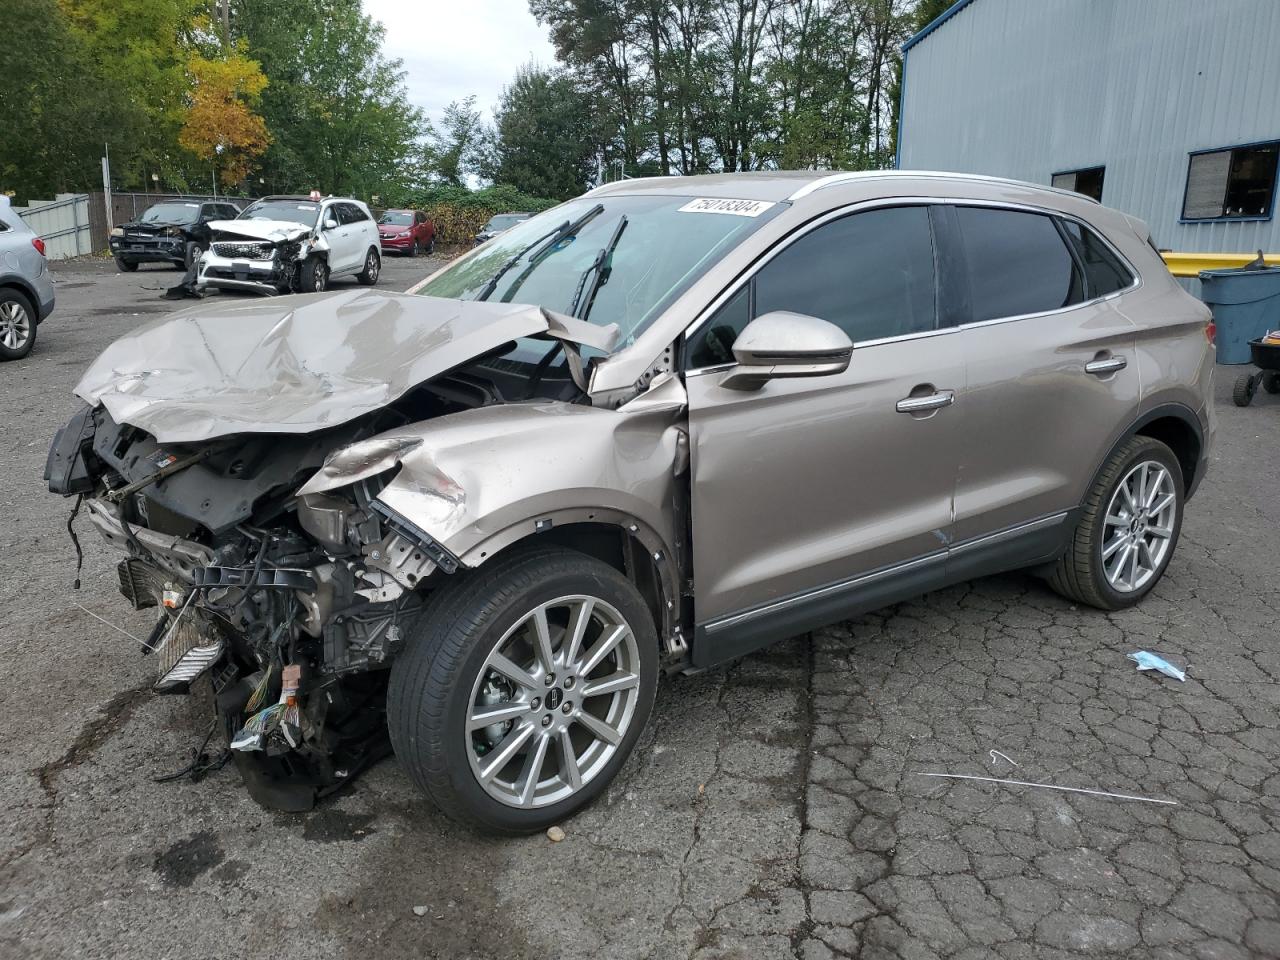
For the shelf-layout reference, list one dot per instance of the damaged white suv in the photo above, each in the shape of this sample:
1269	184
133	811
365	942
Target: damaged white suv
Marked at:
288	244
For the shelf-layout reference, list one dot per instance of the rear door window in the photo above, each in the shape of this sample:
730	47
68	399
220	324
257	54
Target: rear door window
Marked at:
1017	263
1103	271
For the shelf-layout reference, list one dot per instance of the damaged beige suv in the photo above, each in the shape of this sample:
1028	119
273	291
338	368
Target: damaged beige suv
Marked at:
653	429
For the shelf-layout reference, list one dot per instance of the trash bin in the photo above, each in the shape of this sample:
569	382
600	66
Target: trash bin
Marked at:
1245	305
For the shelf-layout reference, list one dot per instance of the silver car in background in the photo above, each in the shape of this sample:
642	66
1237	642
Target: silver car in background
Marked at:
26	290
649	431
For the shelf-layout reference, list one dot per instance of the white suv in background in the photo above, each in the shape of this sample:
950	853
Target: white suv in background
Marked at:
286	244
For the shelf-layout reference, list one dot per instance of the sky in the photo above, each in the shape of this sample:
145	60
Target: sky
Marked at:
454	48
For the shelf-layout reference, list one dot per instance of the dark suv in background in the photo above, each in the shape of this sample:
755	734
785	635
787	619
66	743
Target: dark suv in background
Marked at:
175	232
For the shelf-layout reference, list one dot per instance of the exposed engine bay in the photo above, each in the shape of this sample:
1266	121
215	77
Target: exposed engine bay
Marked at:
293	603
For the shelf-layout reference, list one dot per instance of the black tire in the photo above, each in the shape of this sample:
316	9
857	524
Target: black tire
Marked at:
1242	393
126	266
1079	573
314	276
1271	382
18	325
413	248
432	682
372	267
190	255
431	245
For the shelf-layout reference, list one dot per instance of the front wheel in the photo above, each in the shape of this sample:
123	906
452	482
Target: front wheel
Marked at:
126	266
413	248
372	267
1271	382
524	689
190	255
1128	529
314	276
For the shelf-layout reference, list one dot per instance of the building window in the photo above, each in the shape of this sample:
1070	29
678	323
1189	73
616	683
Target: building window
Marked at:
1087	181
1238	183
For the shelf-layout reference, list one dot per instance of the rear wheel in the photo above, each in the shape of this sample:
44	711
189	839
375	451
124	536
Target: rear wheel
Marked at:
431	245
314	276
126	266
1242	393
17	325
372	267
1128	530
524	689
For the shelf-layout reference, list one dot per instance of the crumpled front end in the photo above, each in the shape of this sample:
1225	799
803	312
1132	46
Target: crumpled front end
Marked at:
293	626
244	257
279	481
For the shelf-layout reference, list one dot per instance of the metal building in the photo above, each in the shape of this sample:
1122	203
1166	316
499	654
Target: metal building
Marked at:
1166	109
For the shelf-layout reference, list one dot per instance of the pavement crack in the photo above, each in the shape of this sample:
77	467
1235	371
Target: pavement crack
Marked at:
803	763
111	716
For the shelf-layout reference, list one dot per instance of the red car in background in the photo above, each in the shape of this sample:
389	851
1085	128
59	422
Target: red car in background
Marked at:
406	231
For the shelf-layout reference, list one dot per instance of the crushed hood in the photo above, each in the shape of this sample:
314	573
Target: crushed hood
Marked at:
273	230
302	363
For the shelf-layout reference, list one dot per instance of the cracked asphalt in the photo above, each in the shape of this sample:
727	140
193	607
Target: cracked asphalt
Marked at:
777	808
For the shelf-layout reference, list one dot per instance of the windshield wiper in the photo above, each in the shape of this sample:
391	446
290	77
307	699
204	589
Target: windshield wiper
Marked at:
596	275
566	229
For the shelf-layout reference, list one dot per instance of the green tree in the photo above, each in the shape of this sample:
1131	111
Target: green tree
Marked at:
336	108
140	48
459	147
543	135
55	121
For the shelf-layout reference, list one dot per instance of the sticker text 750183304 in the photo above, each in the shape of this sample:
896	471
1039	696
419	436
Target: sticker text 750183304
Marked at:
739	208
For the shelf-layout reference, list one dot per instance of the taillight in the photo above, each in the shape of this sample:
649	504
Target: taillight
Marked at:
1211	332
38	244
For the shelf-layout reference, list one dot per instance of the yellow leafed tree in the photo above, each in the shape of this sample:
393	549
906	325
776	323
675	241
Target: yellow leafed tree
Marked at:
221	126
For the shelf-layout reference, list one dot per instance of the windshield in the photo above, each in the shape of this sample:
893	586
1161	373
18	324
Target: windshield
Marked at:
397	218
504	221
172	213
664	247
294	211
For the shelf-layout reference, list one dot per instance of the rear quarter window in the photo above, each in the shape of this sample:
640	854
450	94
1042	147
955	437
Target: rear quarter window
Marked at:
1103	270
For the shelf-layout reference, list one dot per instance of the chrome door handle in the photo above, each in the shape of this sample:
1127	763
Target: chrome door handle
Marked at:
943	398
1109	365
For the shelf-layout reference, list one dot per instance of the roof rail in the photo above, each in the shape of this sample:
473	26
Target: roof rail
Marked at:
849	175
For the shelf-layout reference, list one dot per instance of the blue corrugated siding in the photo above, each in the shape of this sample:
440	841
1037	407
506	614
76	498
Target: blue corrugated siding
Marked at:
1027	88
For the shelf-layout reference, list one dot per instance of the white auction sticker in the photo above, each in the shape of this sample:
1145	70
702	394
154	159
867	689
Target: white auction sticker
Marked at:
739	208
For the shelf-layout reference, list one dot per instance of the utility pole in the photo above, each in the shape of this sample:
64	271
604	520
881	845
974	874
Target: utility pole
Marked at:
106	183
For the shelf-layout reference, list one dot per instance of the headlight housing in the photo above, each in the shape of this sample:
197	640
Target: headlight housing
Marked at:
117	231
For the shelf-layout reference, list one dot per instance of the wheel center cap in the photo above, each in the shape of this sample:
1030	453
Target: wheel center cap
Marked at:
554	696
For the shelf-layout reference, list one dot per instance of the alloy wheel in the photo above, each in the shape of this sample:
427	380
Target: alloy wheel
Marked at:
553	702
15	325
1138	526
371	267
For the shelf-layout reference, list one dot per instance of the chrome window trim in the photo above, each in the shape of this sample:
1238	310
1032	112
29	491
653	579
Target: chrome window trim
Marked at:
864	205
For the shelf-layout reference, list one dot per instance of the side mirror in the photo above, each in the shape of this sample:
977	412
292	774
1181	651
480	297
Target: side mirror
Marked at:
784	344
330	223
